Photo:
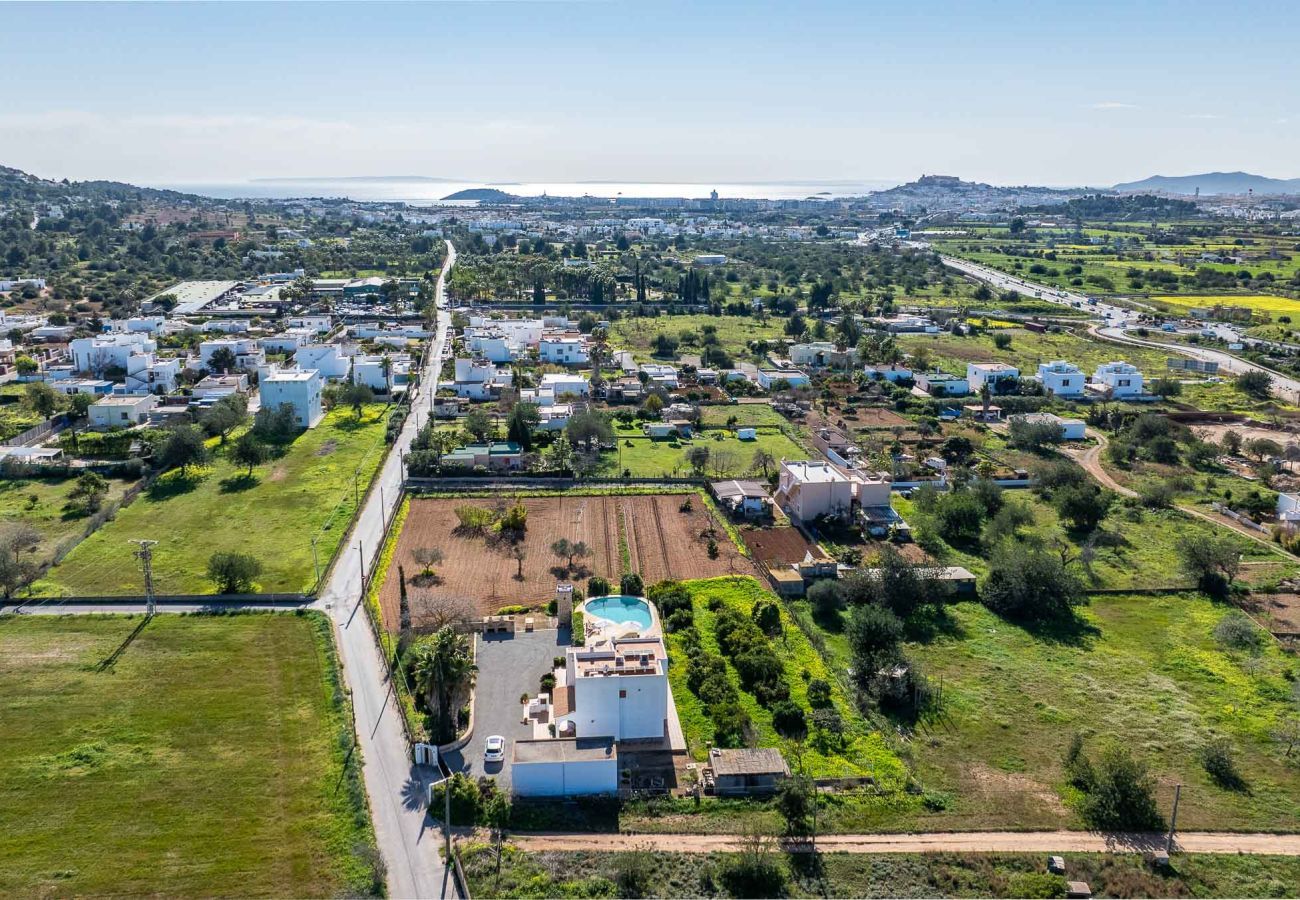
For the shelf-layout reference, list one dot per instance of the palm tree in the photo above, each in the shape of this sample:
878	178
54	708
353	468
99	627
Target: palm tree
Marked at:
444	670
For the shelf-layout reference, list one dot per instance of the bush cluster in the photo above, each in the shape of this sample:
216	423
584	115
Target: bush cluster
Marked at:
761	671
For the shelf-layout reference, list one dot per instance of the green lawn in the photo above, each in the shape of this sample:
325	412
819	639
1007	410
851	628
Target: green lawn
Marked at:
309	491
596	873
15	418
729	456
1144	671
746	414
866	751
46	513
208	760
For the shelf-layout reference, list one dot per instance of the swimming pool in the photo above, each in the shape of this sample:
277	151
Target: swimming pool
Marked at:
622	609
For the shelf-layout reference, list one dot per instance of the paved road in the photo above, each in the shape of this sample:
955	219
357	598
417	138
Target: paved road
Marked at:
55	606
971	842
1113	321
408	837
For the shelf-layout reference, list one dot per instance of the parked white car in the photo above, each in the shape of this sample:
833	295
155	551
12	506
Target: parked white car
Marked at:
495	749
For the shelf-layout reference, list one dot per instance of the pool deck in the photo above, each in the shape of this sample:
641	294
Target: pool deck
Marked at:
610	628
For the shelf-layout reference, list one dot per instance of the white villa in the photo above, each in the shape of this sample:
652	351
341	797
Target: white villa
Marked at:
1061	379
1121	379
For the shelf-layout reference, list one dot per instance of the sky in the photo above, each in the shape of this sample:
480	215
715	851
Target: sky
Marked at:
1011	92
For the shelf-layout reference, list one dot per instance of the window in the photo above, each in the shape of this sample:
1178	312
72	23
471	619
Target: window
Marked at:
622	695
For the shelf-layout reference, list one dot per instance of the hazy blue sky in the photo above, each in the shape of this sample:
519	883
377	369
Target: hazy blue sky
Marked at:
1008	92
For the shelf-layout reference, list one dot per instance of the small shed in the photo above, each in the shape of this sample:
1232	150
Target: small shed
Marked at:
747	771
786	581
747	434
743	498
1078	890
659	430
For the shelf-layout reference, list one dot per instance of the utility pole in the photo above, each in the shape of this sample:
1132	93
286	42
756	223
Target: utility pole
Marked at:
1173	820
446	817
145	555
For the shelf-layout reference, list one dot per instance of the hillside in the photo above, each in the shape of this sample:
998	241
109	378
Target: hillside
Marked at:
484	195
19	186
1211	183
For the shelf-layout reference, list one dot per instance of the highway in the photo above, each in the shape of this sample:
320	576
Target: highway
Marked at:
1114	318
408	837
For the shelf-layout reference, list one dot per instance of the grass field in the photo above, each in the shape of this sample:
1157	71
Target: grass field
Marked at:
729	456
46	513
16	418
308	491
596	874
1140	670
1263	302
208	760
865	751
746	414
734	332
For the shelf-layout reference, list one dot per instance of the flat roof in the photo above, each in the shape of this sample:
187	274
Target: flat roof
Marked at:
816	472
752	761
304	375
123	399
192	296
592	749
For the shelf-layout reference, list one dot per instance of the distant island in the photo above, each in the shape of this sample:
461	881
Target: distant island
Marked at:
486	195
350	178
1211	183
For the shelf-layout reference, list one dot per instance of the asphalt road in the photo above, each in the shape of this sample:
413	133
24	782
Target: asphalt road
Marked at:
1113	319
408	837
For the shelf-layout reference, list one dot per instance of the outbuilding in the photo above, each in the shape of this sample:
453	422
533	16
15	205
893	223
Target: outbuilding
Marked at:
747	772
121	410
565	767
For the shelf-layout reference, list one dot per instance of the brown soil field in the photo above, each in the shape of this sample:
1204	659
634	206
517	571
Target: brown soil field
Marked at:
779	545
662	542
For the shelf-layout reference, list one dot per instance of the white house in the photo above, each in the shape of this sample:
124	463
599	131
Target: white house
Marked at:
559	384
659	373
476	379
497	349
767	378
998	376
289	340
1071	429
370	370
321	324
1061	379
121	411
1121	378
892	372
1288	510
214	387
808	489
298	389
941	384
821	354
620	689
328	359
248	355
565	351
110	351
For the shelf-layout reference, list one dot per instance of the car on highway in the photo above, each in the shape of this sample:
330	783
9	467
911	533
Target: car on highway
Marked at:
495	749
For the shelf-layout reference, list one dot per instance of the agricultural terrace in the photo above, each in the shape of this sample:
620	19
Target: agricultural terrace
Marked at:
639	456
859	751
306	492
207	759
951	353
48	506
637	333
1141	670
656	535
742	415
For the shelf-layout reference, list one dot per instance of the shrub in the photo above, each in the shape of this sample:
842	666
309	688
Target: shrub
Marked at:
789	720
826	597
634	872
1220	764
819	693
466	799
1036	885
597	586
233	573
670	597
632	585
1122	795
1024	582
1236	631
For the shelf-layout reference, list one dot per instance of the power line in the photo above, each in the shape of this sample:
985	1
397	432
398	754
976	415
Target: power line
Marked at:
145	555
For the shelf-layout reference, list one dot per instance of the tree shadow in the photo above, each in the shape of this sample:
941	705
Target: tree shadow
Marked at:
174	484
237	483
420	579
931	622
415	796
1070	631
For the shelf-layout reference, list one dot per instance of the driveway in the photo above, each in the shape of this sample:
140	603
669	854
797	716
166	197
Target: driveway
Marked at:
508	666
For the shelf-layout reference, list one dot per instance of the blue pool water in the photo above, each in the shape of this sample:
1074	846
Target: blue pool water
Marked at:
622	609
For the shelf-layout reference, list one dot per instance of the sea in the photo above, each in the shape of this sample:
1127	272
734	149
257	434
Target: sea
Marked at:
433	191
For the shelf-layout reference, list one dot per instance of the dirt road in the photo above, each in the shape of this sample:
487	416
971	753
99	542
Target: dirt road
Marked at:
970	842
